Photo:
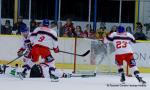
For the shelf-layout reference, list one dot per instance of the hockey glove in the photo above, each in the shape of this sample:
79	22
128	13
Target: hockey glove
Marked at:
56	50
20	52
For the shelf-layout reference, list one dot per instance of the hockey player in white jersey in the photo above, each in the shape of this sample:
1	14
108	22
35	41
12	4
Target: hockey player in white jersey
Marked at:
45	39
123	51
25	48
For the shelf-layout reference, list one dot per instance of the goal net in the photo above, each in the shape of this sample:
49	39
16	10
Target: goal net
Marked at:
100	60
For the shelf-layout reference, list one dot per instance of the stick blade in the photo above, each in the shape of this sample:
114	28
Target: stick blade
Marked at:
90	75
84	75
86	53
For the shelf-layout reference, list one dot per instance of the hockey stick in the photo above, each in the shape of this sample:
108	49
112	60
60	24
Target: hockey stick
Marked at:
25	52
82	55
14	60
5	65
17	58
83	75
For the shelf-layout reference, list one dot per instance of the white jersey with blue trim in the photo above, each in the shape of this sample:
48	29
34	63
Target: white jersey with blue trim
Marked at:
122	42
46	37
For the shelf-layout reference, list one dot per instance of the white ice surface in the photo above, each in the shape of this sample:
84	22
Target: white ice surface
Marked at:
94	83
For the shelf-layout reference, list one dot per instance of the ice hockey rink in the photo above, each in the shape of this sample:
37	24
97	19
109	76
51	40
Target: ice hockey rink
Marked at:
100	82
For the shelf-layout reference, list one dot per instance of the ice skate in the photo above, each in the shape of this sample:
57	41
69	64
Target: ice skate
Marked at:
122	80
141	80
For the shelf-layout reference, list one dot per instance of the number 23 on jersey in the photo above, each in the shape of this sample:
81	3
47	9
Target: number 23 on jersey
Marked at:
121	44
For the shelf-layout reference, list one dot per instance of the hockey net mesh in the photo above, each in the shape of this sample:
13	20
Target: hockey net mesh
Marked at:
100	60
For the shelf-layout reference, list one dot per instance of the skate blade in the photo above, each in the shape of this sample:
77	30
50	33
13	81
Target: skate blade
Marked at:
122	82
54	80
143	83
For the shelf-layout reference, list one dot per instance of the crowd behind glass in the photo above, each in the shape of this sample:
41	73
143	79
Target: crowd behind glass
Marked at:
68	29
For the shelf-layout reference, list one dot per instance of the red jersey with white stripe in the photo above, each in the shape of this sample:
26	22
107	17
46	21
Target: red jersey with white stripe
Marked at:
46	37
122	42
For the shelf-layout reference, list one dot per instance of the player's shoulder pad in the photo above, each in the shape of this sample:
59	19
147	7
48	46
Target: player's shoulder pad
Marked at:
110	36
129	35
113	34
132	37
53	32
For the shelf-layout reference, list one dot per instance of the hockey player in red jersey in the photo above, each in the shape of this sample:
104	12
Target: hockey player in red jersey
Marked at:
123	51
45	39
25	48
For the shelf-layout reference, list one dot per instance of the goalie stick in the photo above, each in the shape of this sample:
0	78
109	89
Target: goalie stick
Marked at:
82	55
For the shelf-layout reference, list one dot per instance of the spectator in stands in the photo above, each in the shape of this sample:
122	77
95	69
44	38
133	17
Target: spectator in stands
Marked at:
113	29
32	25
92	34
39	24
7	28
69	29
85	34
18	25
102	25
139	35
139	26
87	30
101	33
128	29
79	31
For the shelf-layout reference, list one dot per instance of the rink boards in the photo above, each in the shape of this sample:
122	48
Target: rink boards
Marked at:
10	45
